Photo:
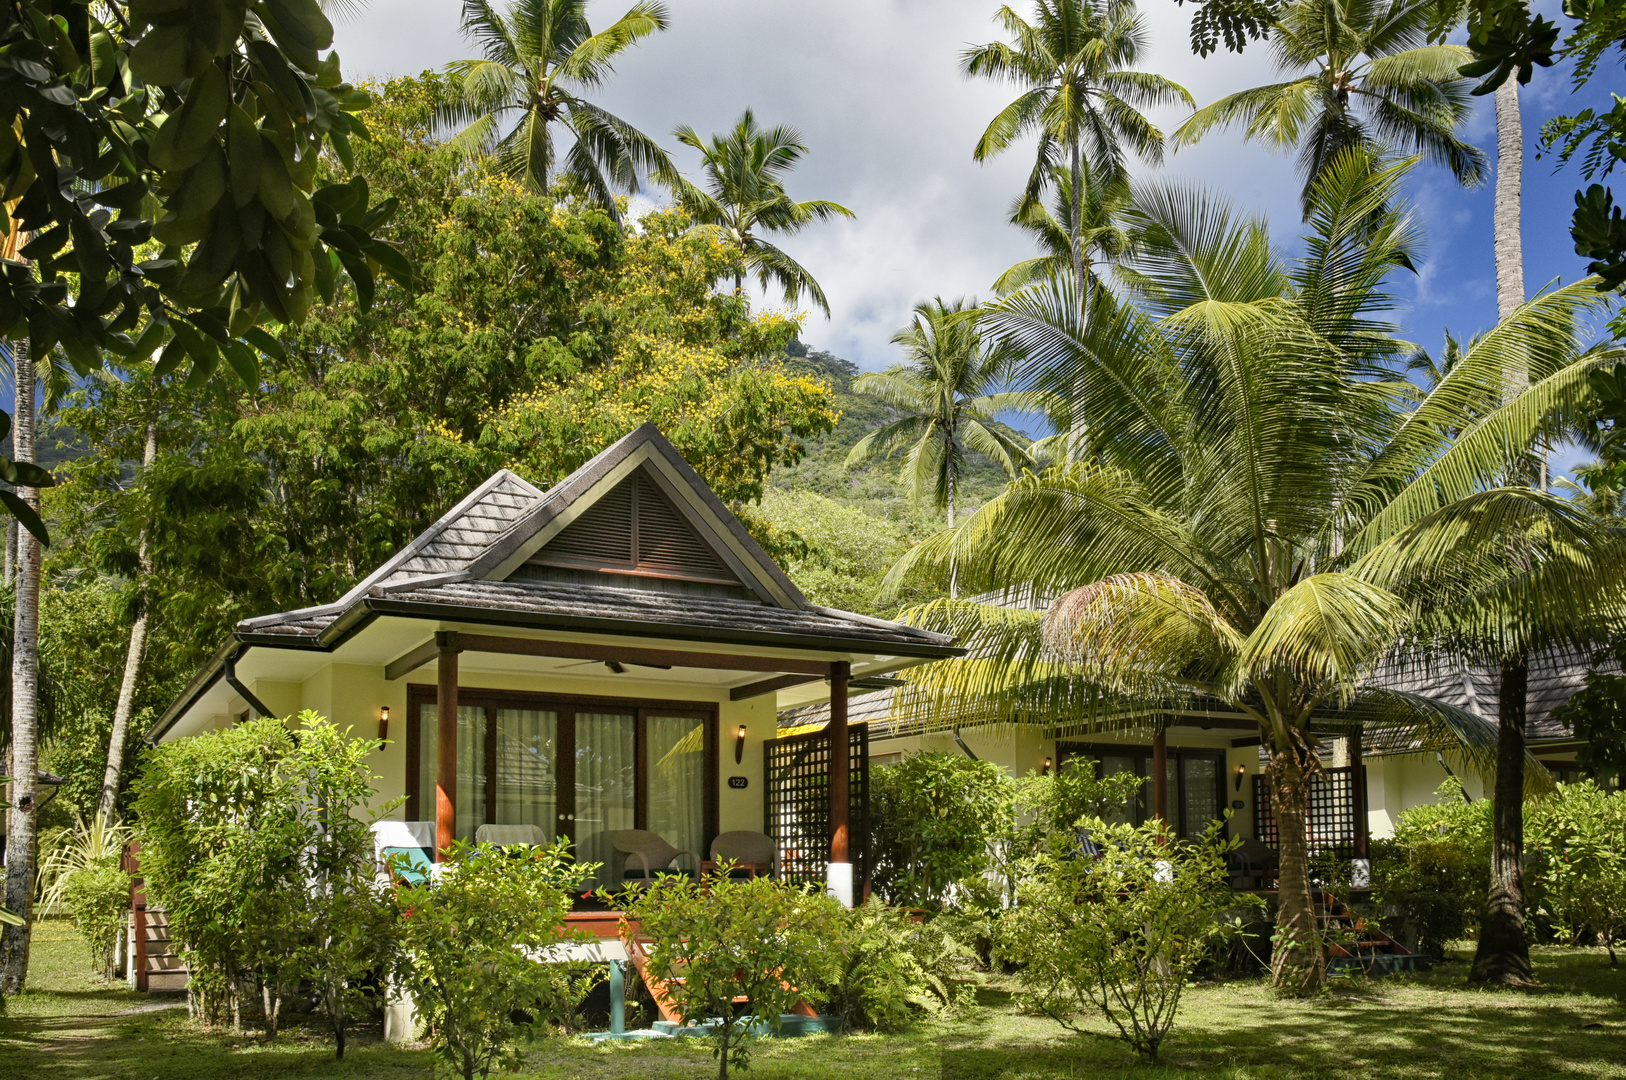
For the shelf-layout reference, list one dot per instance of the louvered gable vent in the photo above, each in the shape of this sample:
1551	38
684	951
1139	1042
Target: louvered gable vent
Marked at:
634	529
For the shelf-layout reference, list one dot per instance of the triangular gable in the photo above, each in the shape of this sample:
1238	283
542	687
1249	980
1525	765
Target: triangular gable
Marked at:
639	509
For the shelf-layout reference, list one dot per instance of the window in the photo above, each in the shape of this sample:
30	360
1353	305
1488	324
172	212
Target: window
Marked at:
1194	781
575	767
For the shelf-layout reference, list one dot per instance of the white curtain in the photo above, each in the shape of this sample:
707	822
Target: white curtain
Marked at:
605	783
471	766
528	768
677	782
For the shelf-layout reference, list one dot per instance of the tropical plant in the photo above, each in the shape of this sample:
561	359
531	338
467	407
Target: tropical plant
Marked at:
1080	94
947	390
894	968
1429	880
89	843
744	197
937	817
737	954
538	60
1120	930
98	901
1580	837
1361	73
1054	803
1100	237
1263	525
475	950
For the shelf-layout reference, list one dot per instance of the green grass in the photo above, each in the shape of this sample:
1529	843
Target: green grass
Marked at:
1406	1028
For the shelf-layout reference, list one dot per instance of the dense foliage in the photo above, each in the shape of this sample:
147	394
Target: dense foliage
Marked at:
475	960
739	953
1118	925
253	842
894	968
936	818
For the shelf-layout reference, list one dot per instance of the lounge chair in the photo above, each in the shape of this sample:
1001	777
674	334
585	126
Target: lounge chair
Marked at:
753	853
651	852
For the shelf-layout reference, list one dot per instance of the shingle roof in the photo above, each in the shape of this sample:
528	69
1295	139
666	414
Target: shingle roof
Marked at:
1553	678
873	708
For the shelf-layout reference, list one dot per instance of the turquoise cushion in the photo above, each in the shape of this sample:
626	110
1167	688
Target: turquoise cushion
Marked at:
414	863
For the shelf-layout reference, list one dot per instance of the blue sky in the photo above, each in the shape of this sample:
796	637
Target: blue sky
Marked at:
874	87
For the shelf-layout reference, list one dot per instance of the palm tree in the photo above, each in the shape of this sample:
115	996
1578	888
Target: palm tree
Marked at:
944	388
1361	73
745	196
1100	237
539	58
1080	94
1262	529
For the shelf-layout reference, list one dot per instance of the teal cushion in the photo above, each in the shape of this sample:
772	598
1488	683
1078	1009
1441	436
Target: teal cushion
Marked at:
414	863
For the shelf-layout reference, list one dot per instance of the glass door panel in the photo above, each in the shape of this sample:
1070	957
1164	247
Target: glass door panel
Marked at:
527	769
471	766
677	782
1199	794
1112	765
605	786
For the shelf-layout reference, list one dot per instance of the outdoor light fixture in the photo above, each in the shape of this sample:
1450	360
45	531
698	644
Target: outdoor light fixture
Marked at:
1046	770
1241	770
383	724
739	744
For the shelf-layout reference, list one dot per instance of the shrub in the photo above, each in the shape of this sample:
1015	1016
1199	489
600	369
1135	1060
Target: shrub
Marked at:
1579	838
476	941
1121	931
1429	882
253	843
893	968
1057	803
98	898
936	819
768	942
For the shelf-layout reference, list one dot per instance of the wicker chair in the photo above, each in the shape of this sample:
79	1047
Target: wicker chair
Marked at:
652	852
753	853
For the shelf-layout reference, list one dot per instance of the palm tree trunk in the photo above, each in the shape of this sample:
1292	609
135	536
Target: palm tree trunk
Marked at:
1298	964
133	655
1503	955
21	819
1503	952
1077	437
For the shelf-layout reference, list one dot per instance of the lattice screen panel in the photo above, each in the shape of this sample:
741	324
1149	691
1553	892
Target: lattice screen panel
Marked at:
797	803
1332	813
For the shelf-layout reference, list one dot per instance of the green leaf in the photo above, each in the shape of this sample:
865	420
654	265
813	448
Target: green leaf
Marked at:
26	516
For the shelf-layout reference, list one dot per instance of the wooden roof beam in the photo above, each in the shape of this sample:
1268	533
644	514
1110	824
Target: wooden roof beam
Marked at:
621	654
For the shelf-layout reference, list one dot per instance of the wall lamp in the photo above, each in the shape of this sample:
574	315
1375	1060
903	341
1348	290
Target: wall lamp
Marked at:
1241	771
383	725
1046	770
739	744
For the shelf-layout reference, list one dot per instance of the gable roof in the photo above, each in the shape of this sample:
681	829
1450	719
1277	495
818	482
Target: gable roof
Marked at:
468	566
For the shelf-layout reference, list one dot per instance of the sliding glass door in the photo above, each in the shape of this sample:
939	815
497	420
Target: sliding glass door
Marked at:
577	768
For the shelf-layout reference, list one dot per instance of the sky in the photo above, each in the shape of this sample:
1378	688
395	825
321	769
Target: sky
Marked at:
875	89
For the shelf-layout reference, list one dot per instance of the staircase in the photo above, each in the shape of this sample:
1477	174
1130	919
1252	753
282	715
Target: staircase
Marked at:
1363	947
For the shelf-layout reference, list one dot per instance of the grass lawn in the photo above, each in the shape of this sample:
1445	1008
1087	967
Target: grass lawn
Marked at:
1427	1026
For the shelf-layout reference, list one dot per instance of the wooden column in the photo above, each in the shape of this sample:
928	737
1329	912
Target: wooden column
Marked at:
1160	775
446	745
840	775
1357	775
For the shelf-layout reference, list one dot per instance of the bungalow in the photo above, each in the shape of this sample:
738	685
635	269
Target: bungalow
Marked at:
602	661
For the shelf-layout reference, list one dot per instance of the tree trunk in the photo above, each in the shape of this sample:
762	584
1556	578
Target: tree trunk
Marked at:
1077	437
11	550
134	654
22	818
1298	964
1503	955
1509	180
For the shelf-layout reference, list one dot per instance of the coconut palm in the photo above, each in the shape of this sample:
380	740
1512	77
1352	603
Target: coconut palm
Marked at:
1080	94
1360	73
539	58
744	196
946	389
1101	235
1271	518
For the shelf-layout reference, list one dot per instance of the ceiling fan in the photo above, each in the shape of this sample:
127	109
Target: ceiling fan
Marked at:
617	666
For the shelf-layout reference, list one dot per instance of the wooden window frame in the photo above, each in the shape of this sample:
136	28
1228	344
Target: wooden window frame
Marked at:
566	706
1143	769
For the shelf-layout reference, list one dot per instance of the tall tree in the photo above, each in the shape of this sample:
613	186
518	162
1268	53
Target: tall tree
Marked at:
539	59
1361	73
1261	527
136	651
946	389
1080	94
744	196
